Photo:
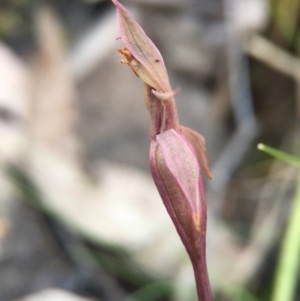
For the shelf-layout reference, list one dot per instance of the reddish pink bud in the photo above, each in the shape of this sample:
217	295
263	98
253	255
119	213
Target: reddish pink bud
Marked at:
176	173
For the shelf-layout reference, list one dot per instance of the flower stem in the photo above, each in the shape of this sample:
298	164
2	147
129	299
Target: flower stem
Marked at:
200	269
202	281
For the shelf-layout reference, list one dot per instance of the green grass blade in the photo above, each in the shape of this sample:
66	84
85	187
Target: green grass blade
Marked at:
289	263
288	266
279	155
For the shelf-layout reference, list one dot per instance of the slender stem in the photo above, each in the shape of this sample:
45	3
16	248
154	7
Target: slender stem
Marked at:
156	112
199	259
279	154
287	269
171	115
202	280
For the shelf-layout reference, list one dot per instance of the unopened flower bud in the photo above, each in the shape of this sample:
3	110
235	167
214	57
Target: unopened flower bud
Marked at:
176	173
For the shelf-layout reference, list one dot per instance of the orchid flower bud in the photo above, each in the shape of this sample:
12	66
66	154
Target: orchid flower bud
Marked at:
176	152
176	173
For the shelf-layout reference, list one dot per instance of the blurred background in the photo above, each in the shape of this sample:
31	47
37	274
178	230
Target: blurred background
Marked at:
80	218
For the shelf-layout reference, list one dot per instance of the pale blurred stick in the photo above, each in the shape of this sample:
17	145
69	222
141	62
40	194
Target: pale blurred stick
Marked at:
267	52
242	106
54	114
266	229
